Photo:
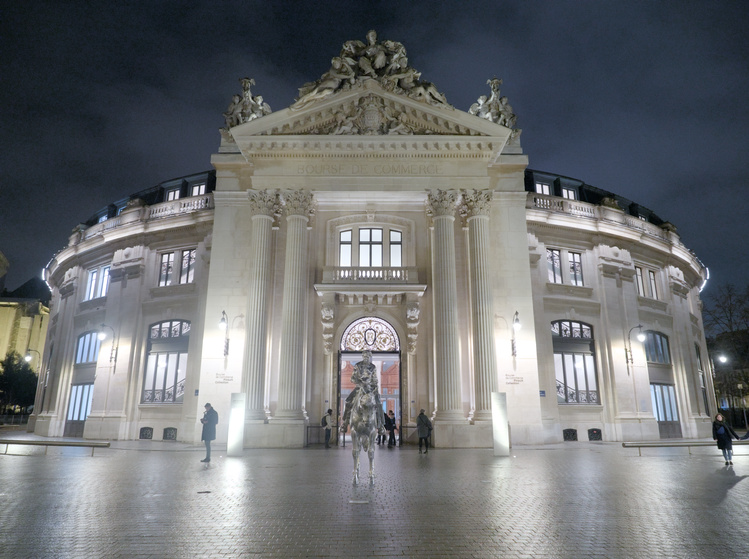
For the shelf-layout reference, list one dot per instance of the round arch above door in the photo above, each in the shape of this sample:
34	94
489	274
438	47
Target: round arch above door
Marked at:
370	333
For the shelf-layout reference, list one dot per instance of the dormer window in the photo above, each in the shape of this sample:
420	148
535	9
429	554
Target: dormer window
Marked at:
172	194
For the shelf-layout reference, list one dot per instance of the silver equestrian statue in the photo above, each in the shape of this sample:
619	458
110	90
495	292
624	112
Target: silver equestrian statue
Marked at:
364	412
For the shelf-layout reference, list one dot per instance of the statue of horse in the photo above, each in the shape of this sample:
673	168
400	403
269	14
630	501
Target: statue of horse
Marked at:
364	430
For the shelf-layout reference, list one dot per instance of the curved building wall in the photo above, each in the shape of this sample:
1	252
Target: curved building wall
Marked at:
594	265
146	265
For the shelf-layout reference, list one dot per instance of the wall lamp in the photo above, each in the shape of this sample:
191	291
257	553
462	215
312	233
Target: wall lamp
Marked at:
102	335
28	357
515	328
641	337
223	325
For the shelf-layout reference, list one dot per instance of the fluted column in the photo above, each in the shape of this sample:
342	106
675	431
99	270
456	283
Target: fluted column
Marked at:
298	207
475	208
264	205
441	206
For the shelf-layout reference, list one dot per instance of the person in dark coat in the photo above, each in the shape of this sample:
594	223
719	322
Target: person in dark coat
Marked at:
724	434
423	428
209	421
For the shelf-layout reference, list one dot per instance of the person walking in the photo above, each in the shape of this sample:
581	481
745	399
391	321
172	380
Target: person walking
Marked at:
423	428
724	434
328	427
391	429
209	421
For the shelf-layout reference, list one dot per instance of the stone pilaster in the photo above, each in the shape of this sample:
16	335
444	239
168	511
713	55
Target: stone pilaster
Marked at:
298	206
264	206
441	207
475	209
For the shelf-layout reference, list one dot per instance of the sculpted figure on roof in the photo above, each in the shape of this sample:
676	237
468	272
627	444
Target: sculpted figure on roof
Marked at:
384	61
245	107
496	108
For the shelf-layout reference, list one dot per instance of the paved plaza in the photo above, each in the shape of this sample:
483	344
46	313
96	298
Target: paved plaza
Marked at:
143	499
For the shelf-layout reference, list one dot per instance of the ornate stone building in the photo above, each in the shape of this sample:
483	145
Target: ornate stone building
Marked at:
371	214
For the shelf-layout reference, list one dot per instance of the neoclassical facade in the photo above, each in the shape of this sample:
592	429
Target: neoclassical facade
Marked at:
372	215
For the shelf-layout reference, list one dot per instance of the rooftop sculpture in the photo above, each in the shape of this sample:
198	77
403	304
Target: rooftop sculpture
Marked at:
385	62
245	107
496	108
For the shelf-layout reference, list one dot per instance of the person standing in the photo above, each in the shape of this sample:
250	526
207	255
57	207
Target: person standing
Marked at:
328	427
723	433
391	427
423	428
209	421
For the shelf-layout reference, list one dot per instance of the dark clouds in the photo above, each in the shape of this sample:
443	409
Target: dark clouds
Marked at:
646	99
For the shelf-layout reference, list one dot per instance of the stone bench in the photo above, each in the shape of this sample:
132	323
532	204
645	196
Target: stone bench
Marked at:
46	444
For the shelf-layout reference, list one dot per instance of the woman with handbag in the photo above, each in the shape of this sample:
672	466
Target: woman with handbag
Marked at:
724	434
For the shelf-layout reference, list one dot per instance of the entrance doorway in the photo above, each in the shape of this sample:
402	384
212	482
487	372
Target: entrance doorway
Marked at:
81	396
378	336
665	410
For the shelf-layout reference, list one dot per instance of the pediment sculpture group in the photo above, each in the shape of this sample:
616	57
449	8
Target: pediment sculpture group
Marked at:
387	63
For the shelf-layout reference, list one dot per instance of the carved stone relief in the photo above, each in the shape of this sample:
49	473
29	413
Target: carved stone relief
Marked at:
385	62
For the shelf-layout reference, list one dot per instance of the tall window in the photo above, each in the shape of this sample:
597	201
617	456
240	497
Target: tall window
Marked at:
396	249
649	289
574	364
653	284
186	272
701	373
370	247
166	364
87	348
97	284
554	264
344	249
543	188
576	268
639	283
656	348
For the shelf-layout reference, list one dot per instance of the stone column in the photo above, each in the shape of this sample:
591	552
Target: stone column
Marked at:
441	206
475	208
264	206
298	208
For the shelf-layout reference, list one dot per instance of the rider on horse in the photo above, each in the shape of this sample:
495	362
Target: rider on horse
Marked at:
364	378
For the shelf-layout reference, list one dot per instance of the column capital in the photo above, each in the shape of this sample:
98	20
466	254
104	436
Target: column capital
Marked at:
264	202
475	203
298	202
442	203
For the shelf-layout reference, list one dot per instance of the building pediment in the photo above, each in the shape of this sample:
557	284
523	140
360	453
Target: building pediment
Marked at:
364	118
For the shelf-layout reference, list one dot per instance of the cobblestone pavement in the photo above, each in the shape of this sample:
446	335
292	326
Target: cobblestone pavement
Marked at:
573	500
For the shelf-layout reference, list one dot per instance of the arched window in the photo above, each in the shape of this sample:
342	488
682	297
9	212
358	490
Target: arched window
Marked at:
166	365
656	348
87	349
574	363
370	333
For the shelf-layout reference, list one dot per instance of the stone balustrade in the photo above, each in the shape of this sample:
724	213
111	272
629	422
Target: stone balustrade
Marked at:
369	275
162	210
594	211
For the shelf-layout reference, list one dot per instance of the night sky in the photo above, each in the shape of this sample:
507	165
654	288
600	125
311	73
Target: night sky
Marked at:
649	100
